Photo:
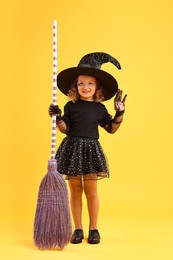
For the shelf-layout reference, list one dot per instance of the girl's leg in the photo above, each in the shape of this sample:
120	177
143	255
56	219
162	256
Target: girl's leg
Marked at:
90	189
76	190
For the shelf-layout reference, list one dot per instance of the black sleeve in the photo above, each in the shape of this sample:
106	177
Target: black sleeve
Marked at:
66	116
106	118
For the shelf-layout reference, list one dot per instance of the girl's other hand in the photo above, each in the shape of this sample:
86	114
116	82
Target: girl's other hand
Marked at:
119	103
54	110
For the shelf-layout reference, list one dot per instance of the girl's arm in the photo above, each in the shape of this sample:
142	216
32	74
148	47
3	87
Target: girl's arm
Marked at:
61	125
54	110
115	124
119	105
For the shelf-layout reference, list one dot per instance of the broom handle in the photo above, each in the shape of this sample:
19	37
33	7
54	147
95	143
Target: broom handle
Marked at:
54	93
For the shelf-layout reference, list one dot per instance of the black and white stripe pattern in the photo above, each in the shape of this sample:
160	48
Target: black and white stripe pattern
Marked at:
54	93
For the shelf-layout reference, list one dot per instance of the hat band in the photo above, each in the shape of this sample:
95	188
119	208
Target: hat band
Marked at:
88	66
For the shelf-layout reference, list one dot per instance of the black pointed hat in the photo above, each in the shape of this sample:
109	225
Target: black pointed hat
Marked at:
90	65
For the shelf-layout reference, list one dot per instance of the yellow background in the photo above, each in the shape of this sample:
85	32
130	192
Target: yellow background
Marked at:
136	212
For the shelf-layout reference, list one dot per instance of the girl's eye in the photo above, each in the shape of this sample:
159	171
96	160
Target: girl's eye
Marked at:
80	84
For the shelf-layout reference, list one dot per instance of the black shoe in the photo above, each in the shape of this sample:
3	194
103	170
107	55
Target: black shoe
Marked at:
77	236
94	236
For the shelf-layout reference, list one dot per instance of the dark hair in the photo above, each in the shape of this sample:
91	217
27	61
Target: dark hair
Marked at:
74	95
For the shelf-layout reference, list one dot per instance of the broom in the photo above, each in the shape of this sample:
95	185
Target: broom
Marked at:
52	223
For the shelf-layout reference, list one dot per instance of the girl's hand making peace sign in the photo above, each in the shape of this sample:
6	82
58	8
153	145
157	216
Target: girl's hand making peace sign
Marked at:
119	103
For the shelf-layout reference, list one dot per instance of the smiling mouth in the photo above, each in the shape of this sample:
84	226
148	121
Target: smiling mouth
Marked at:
86	92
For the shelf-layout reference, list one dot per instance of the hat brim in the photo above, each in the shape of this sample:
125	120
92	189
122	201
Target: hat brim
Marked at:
66	77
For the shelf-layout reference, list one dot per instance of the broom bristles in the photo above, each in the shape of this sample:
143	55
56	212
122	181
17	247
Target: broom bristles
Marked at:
52	224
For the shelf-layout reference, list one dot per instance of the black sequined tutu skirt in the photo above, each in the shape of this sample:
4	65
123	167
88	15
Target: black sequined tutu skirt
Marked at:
81	157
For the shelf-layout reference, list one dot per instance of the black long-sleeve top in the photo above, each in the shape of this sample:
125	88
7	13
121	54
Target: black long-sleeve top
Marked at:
84	117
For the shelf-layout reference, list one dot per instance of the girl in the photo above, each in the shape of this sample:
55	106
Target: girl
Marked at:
80	157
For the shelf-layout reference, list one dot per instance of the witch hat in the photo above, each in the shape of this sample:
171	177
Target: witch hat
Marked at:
90	64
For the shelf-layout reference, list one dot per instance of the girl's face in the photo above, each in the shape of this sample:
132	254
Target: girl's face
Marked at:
86	86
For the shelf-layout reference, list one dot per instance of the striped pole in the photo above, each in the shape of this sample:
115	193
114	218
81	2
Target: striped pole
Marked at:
54	93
